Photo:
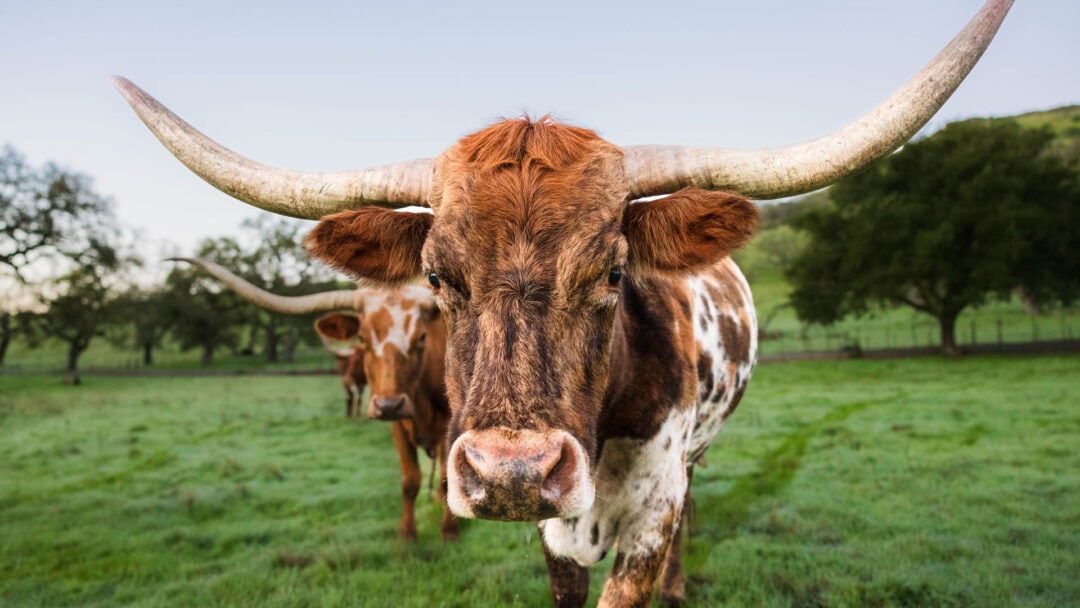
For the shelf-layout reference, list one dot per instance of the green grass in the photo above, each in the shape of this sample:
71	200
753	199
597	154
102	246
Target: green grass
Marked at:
921	482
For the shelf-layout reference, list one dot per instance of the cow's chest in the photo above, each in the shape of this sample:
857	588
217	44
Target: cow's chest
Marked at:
639	482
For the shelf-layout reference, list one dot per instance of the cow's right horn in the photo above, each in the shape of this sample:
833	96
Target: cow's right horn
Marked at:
293	193
286	305
795	169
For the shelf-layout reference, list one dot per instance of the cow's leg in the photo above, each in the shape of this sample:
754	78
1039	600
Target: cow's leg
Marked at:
449	520
672	583
644	543
569	581
410	480
637	565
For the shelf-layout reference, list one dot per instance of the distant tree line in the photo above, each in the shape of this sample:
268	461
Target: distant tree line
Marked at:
77	278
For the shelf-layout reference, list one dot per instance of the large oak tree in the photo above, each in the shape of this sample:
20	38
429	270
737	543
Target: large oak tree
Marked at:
973	212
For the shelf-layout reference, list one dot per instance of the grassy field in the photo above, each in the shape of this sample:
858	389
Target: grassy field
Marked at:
919	482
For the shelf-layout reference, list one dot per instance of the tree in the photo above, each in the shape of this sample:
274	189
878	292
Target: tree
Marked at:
148	315
201	314
970	213
51	221
75	317
274	260
7	333
48	213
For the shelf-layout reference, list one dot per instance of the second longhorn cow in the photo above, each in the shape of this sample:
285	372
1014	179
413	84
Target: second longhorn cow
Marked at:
394	341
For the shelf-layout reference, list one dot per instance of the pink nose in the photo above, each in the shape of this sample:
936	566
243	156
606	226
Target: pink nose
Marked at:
518	475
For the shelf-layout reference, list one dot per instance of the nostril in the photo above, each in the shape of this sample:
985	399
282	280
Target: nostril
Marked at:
471	483
389	404
561	477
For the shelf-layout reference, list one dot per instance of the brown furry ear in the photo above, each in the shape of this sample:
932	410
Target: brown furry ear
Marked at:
687	230
338	326
372	243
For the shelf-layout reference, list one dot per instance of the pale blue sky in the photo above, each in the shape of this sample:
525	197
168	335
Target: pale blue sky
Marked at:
339	85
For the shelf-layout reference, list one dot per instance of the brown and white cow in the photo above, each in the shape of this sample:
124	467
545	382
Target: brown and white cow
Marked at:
393	341
595	345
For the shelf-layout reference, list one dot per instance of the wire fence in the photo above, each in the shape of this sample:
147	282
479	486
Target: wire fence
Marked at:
780	338
974	328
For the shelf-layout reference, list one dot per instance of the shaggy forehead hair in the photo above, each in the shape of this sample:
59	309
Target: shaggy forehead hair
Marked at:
521	191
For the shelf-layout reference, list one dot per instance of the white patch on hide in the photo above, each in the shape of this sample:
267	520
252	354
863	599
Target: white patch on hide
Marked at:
639	484
710	409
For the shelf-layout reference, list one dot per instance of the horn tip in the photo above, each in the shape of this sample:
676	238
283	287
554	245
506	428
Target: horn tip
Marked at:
120	83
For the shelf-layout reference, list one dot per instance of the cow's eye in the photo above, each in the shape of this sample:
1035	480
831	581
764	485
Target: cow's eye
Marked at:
433	278
614	277
423	337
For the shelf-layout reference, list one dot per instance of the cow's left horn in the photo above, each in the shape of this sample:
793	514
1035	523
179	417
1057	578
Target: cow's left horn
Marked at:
775	172
286	305
293	193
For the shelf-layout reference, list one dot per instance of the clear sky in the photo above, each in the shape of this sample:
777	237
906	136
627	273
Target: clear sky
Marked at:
339	85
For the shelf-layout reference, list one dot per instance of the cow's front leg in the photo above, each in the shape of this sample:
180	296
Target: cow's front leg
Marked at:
637	565
569	581
410	479
449	520
354	395
672	582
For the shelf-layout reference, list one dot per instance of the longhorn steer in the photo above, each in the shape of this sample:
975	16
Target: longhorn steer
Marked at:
594	346
395	342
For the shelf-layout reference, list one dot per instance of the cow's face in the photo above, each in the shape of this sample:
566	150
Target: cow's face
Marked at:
388	346
529	248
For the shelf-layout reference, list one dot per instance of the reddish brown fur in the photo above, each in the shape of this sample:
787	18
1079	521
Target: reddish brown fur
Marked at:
688	230
419	376
530	219
368	243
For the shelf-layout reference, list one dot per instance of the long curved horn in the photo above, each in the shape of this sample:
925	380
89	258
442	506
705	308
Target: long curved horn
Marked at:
785	171
286	305
293	193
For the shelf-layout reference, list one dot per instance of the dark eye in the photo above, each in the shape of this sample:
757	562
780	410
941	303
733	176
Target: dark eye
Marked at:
423	337
433	279
614	277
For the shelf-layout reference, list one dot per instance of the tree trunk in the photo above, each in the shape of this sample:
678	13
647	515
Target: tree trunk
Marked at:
75	350
272	340
73	356
5	335
948	334
292	338
148	354
207	355
253	336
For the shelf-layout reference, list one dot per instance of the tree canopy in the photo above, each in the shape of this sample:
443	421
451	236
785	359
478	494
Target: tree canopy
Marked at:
973	212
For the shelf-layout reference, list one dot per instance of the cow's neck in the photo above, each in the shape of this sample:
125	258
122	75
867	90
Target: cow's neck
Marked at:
431	407
648	366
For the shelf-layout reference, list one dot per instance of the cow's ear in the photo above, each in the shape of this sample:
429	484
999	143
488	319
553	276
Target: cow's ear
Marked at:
339	327
688	230
372	243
